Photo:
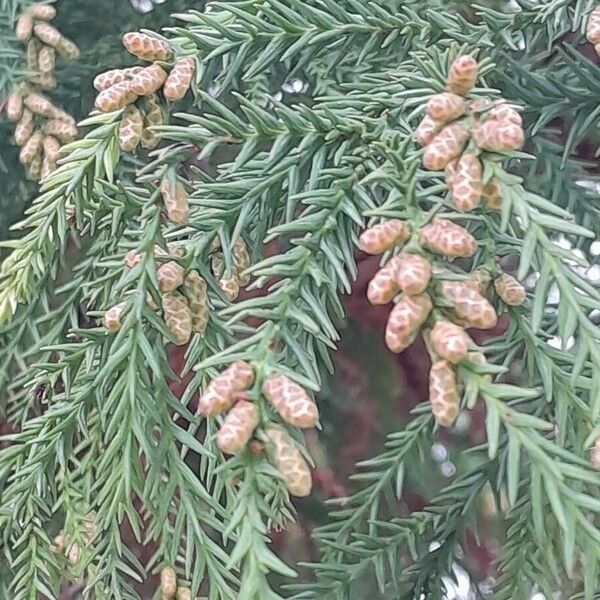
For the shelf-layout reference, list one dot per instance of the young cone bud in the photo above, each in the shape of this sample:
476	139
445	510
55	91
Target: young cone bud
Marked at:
31	148
405	320
109	78
445	146
178	317
449	341
34	168
179	80
446	107
46	59
115	97
145	47
462	75
175	200
219	393
230	284
168	582
169	276
47	167
592	30
33	47
112	317
497	136
130	129
148	80
290	401
152	117
445	237
47	34
479	280
383	286
24	27
65	131
504	114
383	236
46	12
491	196
68	49
288	460
443	393
195	291
51	151
595	455
467	186
24	128
14	107
426	130
469	305
40	105
450	173
183	593
510	290
242	260
237	428
413	273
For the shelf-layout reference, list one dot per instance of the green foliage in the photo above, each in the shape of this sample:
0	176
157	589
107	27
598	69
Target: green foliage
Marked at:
101	438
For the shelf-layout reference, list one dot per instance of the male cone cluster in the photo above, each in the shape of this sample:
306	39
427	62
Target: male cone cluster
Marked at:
455	131
41	127
169	588
226	394
136	88
462	304
592	30
184	297
230	280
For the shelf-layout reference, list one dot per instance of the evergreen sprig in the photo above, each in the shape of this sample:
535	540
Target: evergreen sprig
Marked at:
102	437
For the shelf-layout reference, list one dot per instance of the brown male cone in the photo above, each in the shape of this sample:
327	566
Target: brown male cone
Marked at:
219	394
405	320
443	393
383	286
383	236
462	75
445	146
469	305
195	290
130	129
290	401
510	290
178	317
447	238
288	460
238	427
179	79
145	46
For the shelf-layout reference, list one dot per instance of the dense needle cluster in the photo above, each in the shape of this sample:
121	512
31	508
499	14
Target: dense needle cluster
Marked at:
41	127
